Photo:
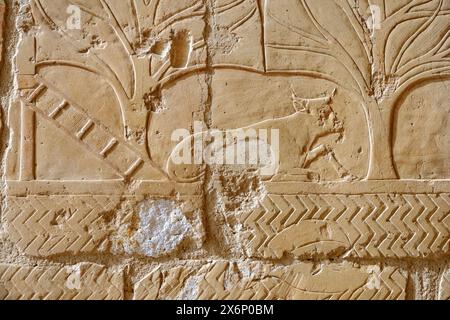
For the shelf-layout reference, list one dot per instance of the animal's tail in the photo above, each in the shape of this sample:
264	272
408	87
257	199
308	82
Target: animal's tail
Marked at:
174	177
171	166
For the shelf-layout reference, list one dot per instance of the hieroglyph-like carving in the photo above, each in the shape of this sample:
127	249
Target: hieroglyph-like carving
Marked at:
378	63
138	48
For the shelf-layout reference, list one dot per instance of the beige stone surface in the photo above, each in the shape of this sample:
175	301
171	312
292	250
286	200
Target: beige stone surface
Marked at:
251	280
83	281
365	226
444	286
175	145
44	226
2	22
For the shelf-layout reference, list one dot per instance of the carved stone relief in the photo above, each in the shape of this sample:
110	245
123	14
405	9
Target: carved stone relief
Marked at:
341	107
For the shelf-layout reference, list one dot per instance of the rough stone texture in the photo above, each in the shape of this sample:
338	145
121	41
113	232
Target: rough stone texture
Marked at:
2	22
49	225
78	282
367	226
101	99
246	280
444	286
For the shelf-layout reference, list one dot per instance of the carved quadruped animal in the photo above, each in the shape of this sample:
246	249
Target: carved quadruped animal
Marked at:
328	119
301	134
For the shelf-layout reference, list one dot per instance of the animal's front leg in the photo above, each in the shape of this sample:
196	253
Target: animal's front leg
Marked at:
314	154
324	150
342	172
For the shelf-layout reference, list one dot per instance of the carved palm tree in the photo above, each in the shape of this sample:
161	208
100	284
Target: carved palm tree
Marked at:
377	67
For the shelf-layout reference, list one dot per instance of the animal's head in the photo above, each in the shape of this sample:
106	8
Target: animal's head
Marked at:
321	110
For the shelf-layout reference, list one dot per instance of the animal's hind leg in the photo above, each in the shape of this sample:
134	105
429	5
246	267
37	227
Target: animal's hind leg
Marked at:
301	171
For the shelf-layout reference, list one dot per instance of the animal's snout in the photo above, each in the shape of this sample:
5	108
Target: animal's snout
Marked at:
331	121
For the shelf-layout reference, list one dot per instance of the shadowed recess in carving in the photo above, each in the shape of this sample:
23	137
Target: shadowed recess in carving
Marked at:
180	49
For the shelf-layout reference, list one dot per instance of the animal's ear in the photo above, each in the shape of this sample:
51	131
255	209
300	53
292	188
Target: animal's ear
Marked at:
300	105
329	99
333	94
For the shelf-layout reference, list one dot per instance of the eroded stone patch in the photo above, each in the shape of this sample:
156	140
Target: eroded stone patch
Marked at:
255	280
236	194
238	190
444	286
152	228
162	228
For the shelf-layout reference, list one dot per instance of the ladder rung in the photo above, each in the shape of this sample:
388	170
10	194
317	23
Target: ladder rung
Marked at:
85	129
133	167
111	144
55	112
32	97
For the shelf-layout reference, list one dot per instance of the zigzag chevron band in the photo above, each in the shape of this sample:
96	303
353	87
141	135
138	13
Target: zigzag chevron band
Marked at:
84	281
370	226
49	225
258	281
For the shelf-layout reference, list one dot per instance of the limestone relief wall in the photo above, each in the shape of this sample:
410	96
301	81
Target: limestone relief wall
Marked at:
225	149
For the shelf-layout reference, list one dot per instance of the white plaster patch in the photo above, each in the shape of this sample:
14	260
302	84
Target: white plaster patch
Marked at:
162	228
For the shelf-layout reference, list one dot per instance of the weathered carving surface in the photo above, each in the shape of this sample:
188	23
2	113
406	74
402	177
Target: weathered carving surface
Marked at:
252	129
79	282
2	21
369	226
444	286
224	280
